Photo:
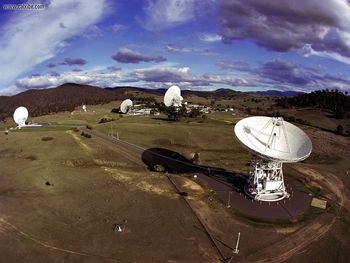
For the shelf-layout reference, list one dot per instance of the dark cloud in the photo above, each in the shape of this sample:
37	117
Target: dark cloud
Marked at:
76	70
73	62
233	65
51	65
285	72
286	25
54	74
287	75
181	76
113	68
61	25
125	55
36	75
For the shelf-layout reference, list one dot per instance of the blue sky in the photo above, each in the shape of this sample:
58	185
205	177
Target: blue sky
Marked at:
245	45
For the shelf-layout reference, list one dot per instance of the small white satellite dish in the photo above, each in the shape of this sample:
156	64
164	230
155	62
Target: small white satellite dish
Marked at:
272	141
126	106
84	108
20	116
173	97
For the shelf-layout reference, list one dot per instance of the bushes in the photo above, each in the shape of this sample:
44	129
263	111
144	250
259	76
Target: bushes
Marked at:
89	127
46	138
106	119
86	135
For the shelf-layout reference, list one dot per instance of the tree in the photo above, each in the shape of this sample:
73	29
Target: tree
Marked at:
340	129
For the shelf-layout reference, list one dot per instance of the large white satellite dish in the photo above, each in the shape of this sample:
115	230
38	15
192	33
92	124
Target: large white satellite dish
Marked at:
272	141
173	97
126	106
20	116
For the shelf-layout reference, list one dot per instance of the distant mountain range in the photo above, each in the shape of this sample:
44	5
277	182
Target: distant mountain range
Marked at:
70	95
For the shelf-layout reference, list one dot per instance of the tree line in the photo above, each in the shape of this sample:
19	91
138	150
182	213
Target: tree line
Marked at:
335	101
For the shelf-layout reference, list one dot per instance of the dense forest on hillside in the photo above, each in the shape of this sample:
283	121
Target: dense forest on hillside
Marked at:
335	101
63	98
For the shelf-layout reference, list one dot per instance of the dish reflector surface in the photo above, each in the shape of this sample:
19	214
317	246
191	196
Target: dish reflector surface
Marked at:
273	139
126	105
20	116
173	97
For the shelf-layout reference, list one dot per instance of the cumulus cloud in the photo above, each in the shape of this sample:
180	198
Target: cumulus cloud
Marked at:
233	65
92	32
29	38
113	68
206	37
181	76
289	25
287	75
51	65
73	62
163	14
54	73
52	79
125	55
283	71
118	27
196	51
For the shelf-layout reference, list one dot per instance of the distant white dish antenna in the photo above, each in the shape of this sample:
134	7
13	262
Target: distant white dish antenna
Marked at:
126	106
20	116
84	108
272	141
173	97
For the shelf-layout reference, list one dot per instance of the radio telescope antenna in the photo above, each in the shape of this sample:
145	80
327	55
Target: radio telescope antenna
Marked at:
272	142
20	116
173	97
126	106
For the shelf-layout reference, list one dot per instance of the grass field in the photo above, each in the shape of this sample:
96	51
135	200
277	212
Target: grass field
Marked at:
93	185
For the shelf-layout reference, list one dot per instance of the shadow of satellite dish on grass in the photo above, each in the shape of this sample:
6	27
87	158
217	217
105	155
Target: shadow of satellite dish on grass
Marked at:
165	160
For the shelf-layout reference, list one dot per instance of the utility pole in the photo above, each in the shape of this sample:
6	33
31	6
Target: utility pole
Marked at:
229	200
236	250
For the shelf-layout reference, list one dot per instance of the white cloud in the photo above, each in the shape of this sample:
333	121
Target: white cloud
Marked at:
118	27
81	77
210	37
195	51
307	51
30	38
163	14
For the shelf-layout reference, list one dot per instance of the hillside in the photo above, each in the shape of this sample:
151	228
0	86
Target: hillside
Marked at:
68	96
63	98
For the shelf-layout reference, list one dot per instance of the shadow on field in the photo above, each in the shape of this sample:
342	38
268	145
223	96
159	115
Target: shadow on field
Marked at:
165	160
163	119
